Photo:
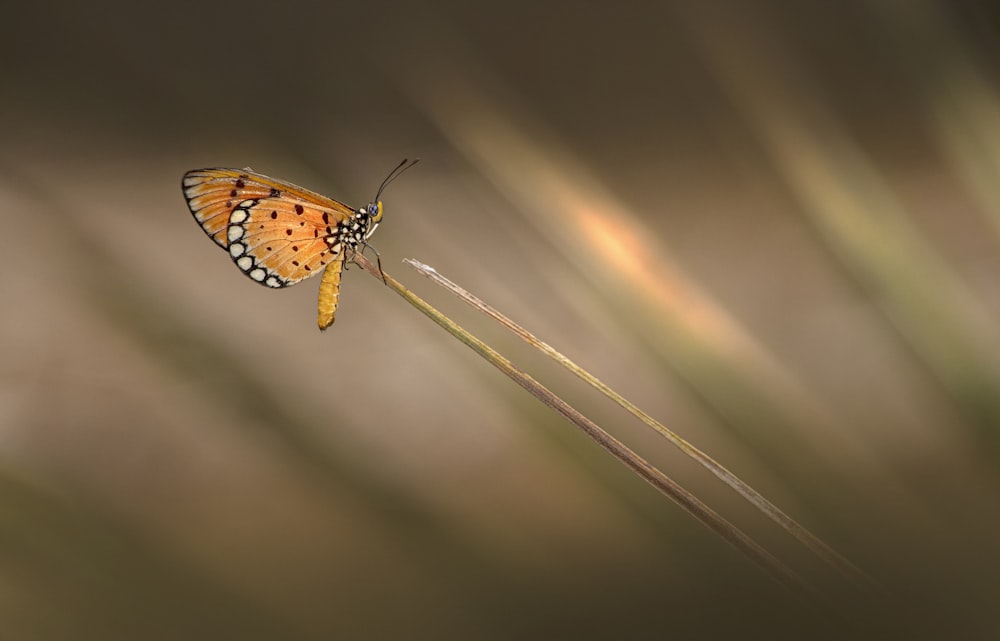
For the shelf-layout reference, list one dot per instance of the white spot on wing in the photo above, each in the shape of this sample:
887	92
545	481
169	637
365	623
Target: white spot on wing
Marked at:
246	204
234	233
245	262
273	282
236	250
238	216
258	275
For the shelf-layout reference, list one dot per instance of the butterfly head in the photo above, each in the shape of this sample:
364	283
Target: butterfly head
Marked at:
374	211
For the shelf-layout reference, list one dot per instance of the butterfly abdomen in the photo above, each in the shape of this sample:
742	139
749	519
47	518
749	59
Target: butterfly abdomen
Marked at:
329	293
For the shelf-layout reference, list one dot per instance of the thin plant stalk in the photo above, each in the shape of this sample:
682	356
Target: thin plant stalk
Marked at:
694	506
804	536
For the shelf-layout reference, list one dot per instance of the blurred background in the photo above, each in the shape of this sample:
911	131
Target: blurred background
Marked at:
773	225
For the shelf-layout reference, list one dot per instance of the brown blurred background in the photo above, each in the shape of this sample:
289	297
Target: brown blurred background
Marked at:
773	225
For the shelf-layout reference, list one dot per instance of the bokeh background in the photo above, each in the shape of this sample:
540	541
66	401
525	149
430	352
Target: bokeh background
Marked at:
773	225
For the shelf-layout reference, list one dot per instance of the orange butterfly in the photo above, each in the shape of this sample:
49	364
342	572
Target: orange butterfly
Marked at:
278	233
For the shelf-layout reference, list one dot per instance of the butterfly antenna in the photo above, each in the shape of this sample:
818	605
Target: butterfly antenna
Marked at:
394	174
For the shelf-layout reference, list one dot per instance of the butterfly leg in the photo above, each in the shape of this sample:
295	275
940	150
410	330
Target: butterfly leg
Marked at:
329	293
378	260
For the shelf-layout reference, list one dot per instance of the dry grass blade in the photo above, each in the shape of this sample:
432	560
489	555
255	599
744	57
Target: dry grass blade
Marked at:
708	517
807	538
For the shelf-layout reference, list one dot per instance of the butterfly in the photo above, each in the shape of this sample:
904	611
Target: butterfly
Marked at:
278	233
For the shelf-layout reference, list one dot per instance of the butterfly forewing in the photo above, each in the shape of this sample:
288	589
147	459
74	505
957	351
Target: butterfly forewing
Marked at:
276	232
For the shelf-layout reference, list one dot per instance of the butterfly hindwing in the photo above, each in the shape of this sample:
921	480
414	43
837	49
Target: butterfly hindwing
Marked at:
278	243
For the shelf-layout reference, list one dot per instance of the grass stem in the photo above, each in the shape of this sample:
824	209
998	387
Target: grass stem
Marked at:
771	511
694	506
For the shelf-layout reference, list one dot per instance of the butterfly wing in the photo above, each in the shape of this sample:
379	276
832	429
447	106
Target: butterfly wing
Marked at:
277	233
